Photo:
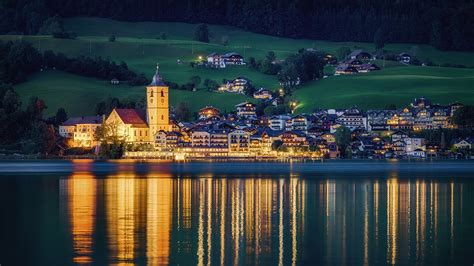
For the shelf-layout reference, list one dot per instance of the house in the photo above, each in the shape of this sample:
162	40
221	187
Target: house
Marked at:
440	118
422	119
215	60
403	120
330	59
398	136
278	122
413	144
418	153
293	139
168	140
81	130
345	69
333	150
114	81
208	111
463	144
246	109
328	137
455	106
421	102
377	119
237	85
360	54
262	93
221	61
298	123
352	118
233	58
404	58
365	68
355	63
239	143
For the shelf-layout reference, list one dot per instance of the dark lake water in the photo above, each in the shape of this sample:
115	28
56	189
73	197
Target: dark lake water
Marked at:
353	213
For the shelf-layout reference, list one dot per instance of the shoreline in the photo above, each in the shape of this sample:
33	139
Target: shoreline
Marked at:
161	168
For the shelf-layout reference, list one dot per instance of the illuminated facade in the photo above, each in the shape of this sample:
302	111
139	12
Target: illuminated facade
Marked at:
130	125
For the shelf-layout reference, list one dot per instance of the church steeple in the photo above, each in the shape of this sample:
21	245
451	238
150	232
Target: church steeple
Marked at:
157	107
157	81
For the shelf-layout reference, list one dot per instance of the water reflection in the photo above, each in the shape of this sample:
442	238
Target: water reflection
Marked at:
158	219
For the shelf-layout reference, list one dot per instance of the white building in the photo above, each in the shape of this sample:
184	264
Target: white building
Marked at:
278	122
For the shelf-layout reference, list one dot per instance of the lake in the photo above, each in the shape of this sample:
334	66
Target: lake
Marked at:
336	212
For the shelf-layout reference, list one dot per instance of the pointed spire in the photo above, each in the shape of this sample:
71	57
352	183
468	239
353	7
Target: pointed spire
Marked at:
157	81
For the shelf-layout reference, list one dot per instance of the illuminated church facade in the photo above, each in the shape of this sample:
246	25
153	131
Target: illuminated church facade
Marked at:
130	125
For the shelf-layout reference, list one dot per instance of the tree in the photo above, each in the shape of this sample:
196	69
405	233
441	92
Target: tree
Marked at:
35	108
40	139
252	62
112	38
182	112
276	145
195	81
11	102
343	137
442	143
342	52
271	56
464	117
277	110
51	25
379	38
61	116
210	84
202	33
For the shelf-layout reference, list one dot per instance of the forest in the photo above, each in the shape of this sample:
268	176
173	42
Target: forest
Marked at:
445	24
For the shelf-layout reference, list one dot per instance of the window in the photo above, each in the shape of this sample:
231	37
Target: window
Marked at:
162	94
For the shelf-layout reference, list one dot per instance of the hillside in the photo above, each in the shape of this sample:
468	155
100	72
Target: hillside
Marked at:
137	45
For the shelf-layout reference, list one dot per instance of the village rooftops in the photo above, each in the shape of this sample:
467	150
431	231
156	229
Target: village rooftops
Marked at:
134	117
83	120
360	54
245	104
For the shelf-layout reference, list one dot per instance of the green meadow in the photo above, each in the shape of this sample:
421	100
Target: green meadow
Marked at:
138	45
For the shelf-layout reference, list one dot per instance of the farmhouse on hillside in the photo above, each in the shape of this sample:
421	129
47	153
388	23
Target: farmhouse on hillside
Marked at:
221	61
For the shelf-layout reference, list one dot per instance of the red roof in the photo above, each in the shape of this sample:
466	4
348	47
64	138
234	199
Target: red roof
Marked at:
136	117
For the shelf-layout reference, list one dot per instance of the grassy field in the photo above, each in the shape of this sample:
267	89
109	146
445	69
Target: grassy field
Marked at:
80	95
398	85
137	44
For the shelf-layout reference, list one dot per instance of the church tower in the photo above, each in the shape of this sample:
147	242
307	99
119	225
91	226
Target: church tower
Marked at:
157	105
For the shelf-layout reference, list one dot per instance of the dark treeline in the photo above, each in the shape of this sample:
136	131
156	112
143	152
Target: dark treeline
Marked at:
24	129
19	59
447	24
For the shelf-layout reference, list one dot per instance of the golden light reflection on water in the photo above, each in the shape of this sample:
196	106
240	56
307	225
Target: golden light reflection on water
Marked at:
158	219
82	188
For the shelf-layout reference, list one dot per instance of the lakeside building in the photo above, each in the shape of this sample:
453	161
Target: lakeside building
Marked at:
243	134
81	130
131	125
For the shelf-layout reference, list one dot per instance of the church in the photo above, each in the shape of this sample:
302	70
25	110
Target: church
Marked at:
132	125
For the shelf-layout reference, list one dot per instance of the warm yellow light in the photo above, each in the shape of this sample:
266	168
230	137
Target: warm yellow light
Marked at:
200	57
